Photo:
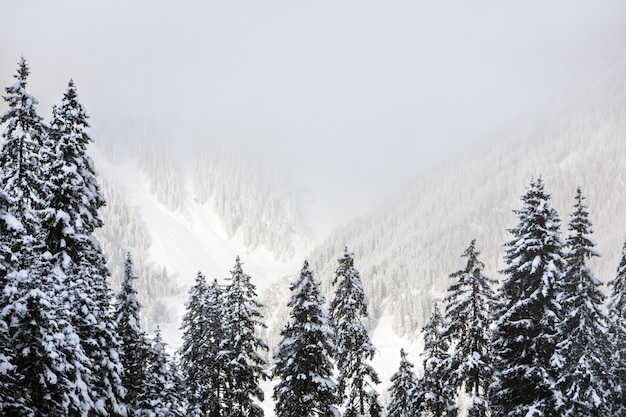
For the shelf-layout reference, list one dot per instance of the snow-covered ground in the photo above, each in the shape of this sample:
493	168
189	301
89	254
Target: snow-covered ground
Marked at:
191	241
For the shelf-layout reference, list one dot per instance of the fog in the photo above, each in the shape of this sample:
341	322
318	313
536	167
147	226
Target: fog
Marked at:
354	97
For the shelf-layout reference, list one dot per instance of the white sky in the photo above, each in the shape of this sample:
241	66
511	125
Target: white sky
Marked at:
356	96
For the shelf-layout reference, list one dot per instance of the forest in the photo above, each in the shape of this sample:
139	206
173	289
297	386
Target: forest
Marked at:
545	341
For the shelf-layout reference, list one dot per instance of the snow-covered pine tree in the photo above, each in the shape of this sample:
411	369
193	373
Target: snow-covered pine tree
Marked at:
434	395
72	193
11	230
162	393
134	344
20	164
67	220
45	331
527	313
241	346
617	332
402	389
49	363
353	347
303	357
201	367
467	328
583	350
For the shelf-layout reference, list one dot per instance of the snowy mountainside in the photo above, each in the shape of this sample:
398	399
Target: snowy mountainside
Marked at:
407	248
177	220
180	215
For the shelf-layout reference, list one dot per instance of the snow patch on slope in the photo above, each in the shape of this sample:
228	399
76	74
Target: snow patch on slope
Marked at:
191	240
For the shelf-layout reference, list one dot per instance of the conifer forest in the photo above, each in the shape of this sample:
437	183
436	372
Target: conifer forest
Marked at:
545	337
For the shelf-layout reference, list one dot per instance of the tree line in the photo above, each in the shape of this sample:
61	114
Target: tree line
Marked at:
541	344
68	349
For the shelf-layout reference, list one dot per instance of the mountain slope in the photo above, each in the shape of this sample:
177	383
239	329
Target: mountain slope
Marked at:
184	217
407	248
181	217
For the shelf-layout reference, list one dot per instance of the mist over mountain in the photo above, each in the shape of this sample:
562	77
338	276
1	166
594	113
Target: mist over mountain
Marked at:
197	211
408	246
183	210
275	132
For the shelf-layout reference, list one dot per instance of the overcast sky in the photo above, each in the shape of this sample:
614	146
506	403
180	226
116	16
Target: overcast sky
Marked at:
356	95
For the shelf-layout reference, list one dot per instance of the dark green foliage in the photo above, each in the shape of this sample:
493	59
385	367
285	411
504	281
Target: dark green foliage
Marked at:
66	225
241	346
303	357
469	301
583	349
528	312
434	395
403	385
353	347
134	345
20	160
11	231
162	389
202	368
617	336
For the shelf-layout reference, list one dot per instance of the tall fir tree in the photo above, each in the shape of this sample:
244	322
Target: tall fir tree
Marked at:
202	368
434	395
469	302
617	334
353	347
583	349
11	232
528	313
162	383
72	192
303	358
68	218
402	389
134	344
49	364
20	160
242	345
20	183
43	335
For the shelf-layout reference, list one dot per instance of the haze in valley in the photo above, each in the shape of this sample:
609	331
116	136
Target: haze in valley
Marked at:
352	98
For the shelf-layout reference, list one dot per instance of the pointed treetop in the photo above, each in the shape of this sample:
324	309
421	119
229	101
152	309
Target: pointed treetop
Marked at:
347	258
22	70
617	303
128	267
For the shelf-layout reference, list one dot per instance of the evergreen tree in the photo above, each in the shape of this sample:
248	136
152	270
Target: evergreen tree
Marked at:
68	218
241	345
467	317
162	390
50	364
527	314
202	368
403	384
435	396
11	231
20	163
617	332
303	357
134	344
353	347
72	193
583	346
48	360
